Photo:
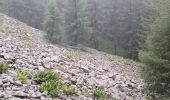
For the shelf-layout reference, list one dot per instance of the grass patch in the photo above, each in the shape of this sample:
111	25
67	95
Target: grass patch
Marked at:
44	76
3	68
22	76
28	43
68	90
73	56
7	31
99	94
50	83
53	88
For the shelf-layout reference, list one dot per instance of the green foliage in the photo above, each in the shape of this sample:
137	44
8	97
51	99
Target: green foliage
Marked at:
149	98
51	84
56	88
68	89
156	57
111	26
53	88
45	76
99	94
53	23
3	68
22	76
156	72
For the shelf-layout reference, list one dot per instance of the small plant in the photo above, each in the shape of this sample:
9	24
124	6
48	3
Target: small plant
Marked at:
68	90
3	68
45	76
28	43
53	88
99	95
22	76
50	83
7	30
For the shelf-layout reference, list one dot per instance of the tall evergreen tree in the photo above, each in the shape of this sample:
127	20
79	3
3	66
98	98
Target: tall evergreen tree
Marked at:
93	11
52	24
75	22
156	57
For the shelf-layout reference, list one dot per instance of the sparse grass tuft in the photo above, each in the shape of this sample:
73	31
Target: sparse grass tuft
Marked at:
22	76
7	31
53	88
3	68
99	94
68	90
51	84
44	76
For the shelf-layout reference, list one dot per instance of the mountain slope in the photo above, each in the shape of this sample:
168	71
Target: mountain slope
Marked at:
25	48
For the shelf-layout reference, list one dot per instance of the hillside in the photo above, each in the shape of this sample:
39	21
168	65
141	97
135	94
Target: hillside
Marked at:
24	48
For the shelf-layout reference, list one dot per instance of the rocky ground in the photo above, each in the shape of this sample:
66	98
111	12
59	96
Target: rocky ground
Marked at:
24	48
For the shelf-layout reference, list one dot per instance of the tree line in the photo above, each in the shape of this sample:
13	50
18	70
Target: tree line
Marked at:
114	26
136	29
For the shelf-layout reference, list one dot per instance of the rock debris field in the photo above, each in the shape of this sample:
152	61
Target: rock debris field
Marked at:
24	48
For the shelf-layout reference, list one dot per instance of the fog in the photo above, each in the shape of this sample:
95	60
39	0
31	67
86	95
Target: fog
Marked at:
113	26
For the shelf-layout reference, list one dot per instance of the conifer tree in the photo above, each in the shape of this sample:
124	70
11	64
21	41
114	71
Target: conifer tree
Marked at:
76	23
52	24
156	57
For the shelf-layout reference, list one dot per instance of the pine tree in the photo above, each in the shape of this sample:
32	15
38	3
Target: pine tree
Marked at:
52	24
93	11
76	23
156	57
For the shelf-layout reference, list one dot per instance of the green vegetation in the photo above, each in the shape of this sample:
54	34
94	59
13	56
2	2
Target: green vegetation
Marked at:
68	89
45	76
7	30
52	23
3	68
22	76
50	83
53	88
138	29
28	43
56	88
156	55
99	94
113	26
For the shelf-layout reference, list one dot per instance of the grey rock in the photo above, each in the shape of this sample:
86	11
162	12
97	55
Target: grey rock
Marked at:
17	83
112	76
6	84
47	65
15	88
20	94
2	95
36	95
41	68
55	58
1	83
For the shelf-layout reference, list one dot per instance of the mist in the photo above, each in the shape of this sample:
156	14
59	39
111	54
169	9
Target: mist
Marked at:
112	26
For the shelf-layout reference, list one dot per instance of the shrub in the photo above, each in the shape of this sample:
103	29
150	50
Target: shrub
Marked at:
156	54
99	94
44	76
22	76
3	68
53	88
50	83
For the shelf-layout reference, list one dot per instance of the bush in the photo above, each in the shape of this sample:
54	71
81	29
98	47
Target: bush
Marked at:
45	76
3	68
22	76
99	94
56	88
53	88
50	83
